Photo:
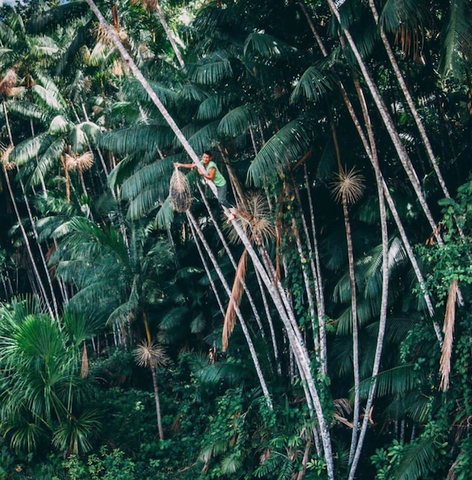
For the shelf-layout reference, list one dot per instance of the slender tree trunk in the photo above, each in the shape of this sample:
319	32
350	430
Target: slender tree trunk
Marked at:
232	260
413	109
31	219
252	350
355	329
27	244
207	270
317	281
158	404
384	301
170	35
396	216
296	343
389	124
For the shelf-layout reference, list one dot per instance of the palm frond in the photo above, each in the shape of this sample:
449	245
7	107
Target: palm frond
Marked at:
457	38
150	175
165	215
212	71
27	150
139	138
449	321
266	46
417	459
281	150
211	108
234	301
237	121
397	380
26	110
56	15
313	84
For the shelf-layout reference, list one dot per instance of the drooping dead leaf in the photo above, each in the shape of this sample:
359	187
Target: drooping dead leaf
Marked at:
235	300
448	329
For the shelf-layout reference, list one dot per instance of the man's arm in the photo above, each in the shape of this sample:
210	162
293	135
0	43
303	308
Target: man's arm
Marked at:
211	174
185	165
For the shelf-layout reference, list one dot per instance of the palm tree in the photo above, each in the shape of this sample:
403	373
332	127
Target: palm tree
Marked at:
348	189
151	355
42	390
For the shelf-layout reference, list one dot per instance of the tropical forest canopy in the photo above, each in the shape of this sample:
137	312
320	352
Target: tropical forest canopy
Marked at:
316	325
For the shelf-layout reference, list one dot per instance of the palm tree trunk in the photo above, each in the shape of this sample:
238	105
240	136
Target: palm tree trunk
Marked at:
158	404
30	216
355	329
384	301
232	260
414	111
391	203
152	95
296	344
28	246
170	35
316	277
389	124
207	270
236	308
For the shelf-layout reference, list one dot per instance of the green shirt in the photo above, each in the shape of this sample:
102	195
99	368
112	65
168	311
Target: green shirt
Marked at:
218	180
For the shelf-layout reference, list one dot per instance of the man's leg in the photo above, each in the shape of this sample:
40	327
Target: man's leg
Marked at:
222	191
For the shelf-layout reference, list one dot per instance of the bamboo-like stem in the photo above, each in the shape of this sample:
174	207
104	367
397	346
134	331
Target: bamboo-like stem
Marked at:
385	276
315	271
226	287
207	270
25	236
413	109
388	122
232	260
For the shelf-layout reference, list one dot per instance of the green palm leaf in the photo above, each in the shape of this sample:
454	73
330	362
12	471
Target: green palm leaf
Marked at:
216	68
211	108
394	381
266	46
313	84
457	38
417	459
237	121
280	151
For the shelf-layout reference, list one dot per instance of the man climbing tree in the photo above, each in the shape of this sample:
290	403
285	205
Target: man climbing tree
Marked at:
213	174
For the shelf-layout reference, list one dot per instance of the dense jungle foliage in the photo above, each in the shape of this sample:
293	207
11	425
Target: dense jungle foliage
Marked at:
321	327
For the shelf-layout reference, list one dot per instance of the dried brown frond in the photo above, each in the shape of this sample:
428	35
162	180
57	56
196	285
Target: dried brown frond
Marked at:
349	186
150	355
343	405
448	329
85	161
235	300
70	162
8	82
84	369
16	92
5	159
179	191
117	68
254	219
